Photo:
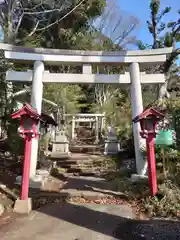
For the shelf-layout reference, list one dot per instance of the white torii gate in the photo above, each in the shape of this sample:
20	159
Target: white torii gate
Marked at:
87	117
133	59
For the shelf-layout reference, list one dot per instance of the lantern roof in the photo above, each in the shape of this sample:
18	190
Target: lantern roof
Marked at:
150	111
27	109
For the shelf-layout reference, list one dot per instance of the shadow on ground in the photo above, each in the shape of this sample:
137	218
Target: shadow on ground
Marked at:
83	183
93	218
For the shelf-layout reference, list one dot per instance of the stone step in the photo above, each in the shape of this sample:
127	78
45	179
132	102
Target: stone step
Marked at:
59	155
84	148
84	168
89	172
74	166
80	156
76	156
89	195
82	171
82	161
74	193
69	162
73	170
75	162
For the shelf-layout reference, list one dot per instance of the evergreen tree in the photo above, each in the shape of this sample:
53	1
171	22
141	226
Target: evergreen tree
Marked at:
164	35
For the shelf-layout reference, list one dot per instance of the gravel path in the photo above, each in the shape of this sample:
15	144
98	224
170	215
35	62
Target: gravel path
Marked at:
152	229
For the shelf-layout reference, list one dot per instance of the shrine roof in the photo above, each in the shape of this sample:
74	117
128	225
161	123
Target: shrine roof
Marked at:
48	119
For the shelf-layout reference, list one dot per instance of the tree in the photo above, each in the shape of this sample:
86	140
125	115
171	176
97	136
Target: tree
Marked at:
53	24
65	96
171	36
116	26
25	18
113	30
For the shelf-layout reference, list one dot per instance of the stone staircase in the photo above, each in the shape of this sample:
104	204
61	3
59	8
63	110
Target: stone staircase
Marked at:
83	164
85	160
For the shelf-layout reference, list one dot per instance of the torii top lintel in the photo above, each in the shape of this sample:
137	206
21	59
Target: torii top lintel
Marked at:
56	56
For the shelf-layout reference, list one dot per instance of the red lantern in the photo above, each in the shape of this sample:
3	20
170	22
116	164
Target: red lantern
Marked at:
148	120
29	119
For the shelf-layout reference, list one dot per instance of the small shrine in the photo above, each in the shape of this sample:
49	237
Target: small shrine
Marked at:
92	121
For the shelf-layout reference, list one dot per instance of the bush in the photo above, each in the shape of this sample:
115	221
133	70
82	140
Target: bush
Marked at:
15	142
166	203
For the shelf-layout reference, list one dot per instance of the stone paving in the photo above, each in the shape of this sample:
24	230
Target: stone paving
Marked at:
69	222
91	188
75	221
88	222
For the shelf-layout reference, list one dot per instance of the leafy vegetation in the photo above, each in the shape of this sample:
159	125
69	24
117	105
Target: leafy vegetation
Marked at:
164	34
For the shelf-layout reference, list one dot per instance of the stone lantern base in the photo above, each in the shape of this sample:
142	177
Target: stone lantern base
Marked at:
112	147
60	147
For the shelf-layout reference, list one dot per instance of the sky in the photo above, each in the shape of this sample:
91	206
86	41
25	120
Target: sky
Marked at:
140	9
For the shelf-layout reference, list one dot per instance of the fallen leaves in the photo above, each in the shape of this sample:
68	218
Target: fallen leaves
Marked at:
135	205
98	201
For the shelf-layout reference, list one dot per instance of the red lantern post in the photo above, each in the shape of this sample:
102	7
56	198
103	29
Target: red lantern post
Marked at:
26	167
148	121
29	119
152	176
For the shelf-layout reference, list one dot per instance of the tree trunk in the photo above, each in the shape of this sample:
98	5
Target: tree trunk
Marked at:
163	92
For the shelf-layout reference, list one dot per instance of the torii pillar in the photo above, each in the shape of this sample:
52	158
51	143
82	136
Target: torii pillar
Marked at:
137	108
36	102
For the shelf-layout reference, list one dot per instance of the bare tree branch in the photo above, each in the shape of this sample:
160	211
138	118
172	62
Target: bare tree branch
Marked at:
14	20
34	29
116	25
58	20
42	12
18	25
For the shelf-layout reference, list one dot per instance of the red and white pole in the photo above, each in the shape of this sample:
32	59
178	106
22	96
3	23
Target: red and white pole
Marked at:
151	164
26	167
